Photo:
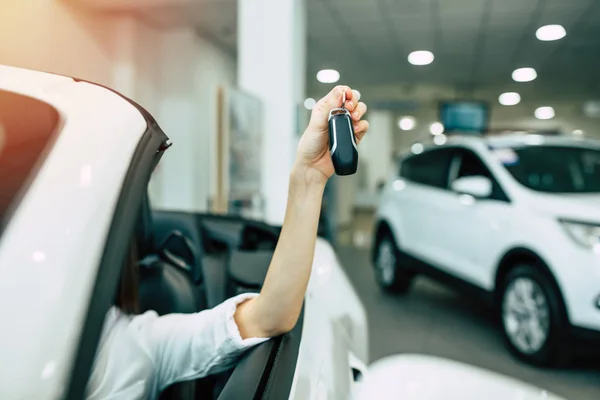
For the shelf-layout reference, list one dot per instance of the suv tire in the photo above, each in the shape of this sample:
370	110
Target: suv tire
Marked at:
389	273
533	317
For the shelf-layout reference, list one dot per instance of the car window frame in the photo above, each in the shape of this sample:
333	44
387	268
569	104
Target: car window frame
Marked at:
149	150
456	163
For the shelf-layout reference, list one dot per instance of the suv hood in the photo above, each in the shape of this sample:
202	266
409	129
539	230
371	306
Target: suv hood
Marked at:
579	207
422	377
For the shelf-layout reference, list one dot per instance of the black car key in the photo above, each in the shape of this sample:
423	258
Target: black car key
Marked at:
342	143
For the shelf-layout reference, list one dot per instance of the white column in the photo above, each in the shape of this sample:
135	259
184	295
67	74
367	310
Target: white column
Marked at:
376	149
271	65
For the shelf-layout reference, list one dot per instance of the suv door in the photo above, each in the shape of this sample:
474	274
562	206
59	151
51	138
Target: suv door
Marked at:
473	227
420	202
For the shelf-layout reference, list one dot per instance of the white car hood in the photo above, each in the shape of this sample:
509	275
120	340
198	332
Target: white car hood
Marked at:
579	207
421	377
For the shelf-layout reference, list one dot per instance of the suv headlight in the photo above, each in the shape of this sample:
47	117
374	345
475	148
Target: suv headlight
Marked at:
585	234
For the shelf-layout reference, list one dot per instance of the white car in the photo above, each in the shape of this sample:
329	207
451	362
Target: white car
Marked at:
514	219
75	161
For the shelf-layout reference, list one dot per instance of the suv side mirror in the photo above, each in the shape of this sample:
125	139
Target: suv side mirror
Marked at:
479	187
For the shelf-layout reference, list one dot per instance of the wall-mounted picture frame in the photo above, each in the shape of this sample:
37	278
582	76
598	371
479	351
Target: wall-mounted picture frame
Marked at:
239	154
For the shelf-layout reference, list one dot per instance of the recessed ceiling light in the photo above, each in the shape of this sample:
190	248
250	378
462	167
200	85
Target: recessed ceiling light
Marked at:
309	103
549	33
417	148
328	76
420	57
544	113
524	74
407	123
509	99
440	139
436	128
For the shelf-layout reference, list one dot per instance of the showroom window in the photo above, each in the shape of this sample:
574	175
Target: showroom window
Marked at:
429	168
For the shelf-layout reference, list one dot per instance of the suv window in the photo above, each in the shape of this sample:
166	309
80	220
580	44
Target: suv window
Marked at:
429	168
472	165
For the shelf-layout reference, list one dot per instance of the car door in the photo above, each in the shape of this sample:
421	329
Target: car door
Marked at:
473	226
420	202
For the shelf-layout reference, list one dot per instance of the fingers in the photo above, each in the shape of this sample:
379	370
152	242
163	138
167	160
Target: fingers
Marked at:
360	129
352	100
359	111
333	99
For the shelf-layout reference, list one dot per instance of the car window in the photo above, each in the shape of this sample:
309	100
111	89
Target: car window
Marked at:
556	169
27	126
428	168
472	165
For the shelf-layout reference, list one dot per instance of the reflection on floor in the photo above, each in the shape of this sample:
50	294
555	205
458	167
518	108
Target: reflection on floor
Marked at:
434	320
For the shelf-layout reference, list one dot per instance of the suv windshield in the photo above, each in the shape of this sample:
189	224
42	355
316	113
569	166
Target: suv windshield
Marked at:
554	169
26	127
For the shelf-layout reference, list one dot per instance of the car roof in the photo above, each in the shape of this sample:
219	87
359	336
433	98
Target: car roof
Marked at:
512	139
51	247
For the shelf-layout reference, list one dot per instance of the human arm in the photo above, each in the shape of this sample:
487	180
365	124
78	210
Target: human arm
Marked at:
278	307
190	346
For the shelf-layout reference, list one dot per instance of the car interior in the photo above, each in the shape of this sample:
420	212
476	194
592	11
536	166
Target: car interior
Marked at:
191	262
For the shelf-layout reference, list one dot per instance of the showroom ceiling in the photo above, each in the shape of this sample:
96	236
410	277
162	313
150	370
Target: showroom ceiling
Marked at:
477	44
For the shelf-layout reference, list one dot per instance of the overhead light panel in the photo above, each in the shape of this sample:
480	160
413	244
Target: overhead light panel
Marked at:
436	128
420	57
544	113
524	74
549	33
509	99
309	103
328	76
417	148
407	123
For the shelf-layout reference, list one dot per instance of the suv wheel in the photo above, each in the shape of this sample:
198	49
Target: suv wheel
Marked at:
388	271
533	317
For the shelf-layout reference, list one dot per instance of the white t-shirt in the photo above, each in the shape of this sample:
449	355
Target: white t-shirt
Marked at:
139	356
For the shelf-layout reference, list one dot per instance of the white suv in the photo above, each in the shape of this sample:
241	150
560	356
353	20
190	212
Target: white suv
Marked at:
515	219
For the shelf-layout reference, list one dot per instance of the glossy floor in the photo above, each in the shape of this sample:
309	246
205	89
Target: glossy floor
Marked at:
437	321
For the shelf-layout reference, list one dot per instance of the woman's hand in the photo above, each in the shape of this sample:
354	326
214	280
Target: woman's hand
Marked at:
313	158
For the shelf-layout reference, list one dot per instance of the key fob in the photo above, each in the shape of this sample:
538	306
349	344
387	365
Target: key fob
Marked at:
342	144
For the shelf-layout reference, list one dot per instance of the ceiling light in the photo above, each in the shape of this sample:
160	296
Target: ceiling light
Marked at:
328	76
544	113
509	99
38	256
420	57
407	123
548	33
417	148
436	128
524	74
309	103
440	139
